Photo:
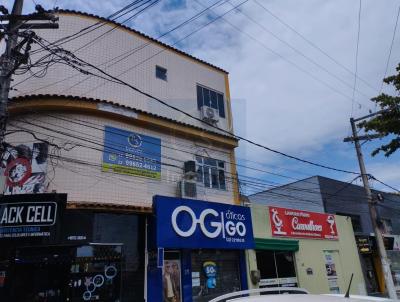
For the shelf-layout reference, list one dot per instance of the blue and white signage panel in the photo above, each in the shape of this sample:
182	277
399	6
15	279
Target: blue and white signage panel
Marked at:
187	223
131	153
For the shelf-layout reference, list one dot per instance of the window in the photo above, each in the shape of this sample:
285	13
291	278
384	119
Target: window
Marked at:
211	98
211	172
387	227
355	221
161	73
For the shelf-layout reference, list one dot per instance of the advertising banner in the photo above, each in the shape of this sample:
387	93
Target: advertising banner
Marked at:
131	153
302	224
188	223
31	216
25	168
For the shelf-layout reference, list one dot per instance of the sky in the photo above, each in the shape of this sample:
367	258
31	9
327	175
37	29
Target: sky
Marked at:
291	66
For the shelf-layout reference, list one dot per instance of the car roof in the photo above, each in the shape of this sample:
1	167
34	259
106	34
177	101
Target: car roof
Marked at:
301	298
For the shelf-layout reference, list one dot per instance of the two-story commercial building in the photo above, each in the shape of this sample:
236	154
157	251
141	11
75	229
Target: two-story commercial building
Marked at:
102	151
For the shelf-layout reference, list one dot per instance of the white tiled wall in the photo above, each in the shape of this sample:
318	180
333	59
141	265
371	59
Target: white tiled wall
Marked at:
137	69
84	180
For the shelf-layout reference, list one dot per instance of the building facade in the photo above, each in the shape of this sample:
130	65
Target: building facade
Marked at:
107	150
297	248
332	196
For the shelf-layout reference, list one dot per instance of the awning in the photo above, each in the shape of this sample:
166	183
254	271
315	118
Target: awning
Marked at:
276	244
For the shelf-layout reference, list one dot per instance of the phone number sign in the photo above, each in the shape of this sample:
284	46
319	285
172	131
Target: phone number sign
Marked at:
131	153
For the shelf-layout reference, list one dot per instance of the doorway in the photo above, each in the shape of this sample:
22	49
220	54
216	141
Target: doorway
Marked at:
277	268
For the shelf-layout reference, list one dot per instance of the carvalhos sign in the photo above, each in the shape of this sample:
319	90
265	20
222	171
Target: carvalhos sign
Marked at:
187	223
302	224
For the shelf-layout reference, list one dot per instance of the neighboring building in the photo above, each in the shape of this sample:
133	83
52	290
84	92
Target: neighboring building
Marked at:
311	250
111	150
341	198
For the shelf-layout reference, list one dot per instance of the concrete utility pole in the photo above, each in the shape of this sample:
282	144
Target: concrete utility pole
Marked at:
10	60
7	65
372	208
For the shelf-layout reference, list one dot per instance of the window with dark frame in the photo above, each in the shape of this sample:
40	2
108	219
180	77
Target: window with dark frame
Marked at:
210	98
161	73
211	172
387	226
355	221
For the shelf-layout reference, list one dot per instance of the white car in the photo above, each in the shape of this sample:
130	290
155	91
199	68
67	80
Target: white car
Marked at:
290	294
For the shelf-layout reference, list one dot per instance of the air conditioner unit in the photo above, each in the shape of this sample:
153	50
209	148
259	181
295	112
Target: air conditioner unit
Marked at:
188	189
190	169
209	114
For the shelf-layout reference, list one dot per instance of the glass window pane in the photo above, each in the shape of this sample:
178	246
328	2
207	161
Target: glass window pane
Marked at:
210	162
227	278
221	177
199	97
221	105
199	159
199	173
221	164
161	73
213	97
206	96
214	178
207	177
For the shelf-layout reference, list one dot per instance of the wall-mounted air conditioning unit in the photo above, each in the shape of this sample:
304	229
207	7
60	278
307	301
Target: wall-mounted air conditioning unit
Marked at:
187	189
209	114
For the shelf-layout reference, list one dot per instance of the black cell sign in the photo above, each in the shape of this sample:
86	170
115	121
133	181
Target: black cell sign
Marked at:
30	215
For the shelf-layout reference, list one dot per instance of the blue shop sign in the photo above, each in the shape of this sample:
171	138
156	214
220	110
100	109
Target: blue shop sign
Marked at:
187	223
131	153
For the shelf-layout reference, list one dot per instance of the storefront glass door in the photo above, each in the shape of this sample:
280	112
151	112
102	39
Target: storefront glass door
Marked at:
214	273
277	268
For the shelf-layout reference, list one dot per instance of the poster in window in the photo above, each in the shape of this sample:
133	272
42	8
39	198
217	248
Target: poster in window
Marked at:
25	167
131	153
331	273
171	281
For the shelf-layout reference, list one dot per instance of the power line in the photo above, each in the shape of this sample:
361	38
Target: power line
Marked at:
39	41
303	70
390	51
86	30
297	50
312	44
130	52
386	185
259	183
356	67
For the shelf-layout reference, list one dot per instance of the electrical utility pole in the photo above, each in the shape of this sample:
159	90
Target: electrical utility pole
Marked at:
372	204
12	58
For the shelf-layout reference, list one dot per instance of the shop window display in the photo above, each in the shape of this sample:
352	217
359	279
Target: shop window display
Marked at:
214	273
99	258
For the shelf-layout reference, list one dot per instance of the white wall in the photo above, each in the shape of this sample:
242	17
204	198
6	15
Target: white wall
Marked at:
179	90
87	183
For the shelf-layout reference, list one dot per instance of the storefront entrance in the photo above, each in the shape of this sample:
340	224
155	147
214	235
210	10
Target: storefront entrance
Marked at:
64	273
277	269
196	250
98	257
214	273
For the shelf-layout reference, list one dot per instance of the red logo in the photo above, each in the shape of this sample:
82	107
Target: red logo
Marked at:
302	224
18	171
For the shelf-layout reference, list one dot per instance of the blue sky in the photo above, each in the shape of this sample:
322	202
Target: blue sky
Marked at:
286	94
